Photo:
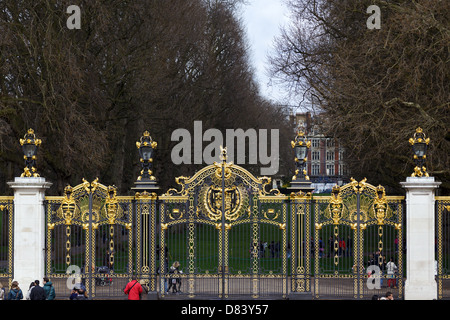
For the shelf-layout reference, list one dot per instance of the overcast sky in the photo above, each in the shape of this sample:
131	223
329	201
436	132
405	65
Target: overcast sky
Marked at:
262	20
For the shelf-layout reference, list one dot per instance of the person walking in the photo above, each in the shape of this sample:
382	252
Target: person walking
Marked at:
27	297
133	289
38	293
349	246
2	292
145	290
15	293
174	281
331	247
49	290
391	268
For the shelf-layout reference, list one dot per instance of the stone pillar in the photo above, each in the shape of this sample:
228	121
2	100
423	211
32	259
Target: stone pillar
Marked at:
29	230
420	238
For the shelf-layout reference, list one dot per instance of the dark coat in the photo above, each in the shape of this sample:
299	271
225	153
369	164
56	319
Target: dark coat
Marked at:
37	293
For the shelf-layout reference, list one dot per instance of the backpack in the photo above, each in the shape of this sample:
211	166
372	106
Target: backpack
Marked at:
14	296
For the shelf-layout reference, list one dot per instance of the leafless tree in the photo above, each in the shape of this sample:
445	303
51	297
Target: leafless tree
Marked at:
90	93
373	87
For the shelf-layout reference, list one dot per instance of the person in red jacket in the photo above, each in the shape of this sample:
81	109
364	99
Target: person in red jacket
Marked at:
133	289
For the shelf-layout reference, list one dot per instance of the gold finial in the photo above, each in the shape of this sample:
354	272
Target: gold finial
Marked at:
223	153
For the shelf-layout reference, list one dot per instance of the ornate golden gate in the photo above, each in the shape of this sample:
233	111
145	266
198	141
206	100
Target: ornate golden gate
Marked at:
227	233
89	240
358	230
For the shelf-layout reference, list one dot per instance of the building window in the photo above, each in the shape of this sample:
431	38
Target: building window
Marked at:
330	169
342	170
315	143
315	169
330	143
315	155
330	155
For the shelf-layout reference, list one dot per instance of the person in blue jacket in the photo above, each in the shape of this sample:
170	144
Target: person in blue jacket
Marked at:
49	290
15	293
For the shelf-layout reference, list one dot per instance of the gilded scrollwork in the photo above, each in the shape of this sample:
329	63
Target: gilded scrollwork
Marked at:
112	209
68	209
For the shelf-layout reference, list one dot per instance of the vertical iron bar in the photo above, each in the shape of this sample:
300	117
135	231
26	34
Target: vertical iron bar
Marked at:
89	262
359	245
223	230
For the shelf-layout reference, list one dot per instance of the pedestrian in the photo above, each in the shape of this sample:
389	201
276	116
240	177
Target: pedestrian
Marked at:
145	290
341	247
277	249
133	289
82	294
320	247
74	294
27	297
331	246
349	246
49	290
15	293
174	281
388	296
2	292
166	271
38	293
391	269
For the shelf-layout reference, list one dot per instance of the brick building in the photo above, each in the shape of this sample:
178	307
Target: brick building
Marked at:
326	163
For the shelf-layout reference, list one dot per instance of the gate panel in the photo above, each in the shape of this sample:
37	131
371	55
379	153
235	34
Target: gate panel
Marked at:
174	240
6	240
226	217
89	240
336	253
273	239
300	245
147	244
358	230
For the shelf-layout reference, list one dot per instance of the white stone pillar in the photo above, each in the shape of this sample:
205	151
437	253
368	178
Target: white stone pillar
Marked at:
420	238
29	230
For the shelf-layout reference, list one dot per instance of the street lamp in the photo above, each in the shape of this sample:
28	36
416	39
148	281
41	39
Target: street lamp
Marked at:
30	146
146	147
419	145
300	181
